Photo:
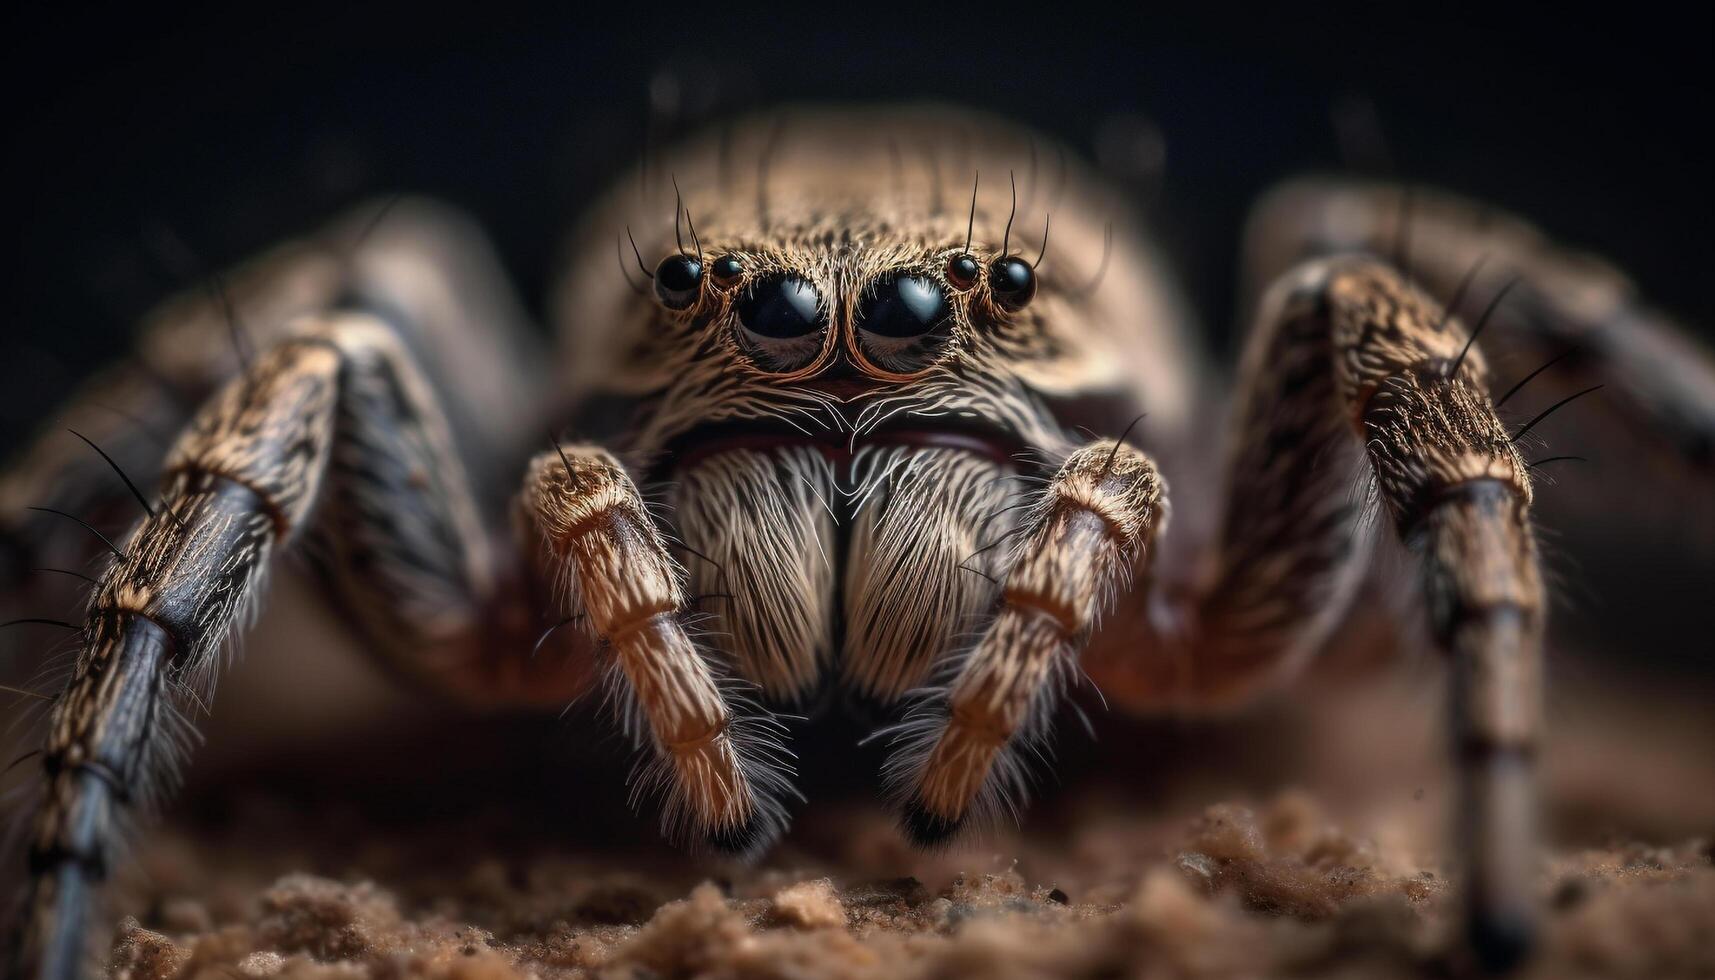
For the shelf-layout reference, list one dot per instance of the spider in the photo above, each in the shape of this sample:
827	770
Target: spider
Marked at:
886	399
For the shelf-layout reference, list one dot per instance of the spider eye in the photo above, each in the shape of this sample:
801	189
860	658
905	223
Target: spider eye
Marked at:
678	280
780	307
903	323
1012	281
904	306
963	270
781	320
727	269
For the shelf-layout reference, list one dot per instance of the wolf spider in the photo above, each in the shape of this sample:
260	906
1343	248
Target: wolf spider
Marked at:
856	398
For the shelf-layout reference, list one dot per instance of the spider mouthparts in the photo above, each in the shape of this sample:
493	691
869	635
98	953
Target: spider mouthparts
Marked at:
703	442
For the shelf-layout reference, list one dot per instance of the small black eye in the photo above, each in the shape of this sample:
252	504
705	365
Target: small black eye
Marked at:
1012	281
962	271
678	280
727	269
906	306
780	307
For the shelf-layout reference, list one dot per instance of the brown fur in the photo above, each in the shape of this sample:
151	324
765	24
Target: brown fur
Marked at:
884	530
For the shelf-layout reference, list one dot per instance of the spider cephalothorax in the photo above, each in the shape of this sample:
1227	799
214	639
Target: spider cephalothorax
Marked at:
844	390
839	401
865	431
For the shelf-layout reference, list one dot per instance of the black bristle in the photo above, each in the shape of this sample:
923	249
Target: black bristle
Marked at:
747	840
926	829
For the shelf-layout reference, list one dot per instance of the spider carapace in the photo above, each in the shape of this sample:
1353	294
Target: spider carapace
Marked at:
882	399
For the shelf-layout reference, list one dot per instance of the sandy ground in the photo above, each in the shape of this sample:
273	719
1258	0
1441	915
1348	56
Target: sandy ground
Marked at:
1234	893
1305	839
332	827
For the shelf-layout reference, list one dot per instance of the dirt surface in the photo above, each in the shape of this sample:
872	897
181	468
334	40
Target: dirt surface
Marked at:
334	828
505	858
1235	893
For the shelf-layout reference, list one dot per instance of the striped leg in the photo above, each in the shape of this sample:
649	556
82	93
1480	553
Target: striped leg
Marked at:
421	267
961	753
1358	388
334	418
719	766
1567	307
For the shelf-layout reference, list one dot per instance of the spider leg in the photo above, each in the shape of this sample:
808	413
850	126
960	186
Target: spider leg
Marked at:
1567	307
1358	390
421	267
335	417
1080	545
718	763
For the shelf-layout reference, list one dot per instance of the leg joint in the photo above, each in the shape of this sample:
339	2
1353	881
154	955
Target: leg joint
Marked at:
74	761
91	861
201	478
1474	748
1047	607
631	623
699	741
1485	489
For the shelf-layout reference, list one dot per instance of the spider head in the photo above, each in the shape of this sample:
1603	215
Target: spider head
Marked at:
855	273
826	320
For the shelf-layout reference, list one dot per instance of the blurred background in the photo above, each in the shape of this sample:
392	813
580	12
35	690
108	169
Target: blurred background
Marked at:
139	138
148	149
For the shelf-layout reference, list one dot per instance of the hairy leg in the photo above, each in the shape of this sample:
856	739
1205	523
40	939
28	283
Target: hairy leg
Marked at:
1358	391
422	268
718	762
244	479
1078	548
1566	306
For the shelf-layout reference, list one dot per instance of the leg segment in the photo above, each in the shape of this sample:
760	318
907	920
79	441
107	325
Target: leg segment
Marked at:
1348	348
1082	542
159	620
420	267
720	769
244	479
1566	305
1290	553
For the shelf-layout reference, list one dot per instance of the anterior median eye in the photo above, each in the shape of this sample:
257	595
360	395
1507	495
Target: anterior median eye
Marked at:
781	306
781	319
903	322
905	306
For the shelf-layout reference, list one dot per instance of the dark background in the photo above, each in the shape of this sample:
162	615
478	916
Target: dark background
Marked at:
140	138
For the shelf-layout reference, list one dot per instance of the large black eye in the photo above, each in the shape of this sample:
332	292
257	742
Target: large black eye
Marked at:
903	323
781	320
1012	281
905	306
780	307
678	280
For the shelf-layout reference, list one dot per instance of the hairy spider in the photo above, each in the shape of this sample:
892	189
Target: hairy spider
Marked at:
854	397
